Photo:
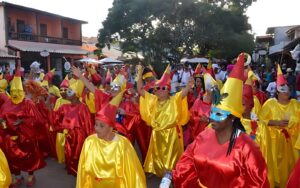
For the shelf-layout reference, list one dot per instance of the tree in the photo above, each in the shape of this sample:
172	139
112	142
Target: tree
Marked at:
170	29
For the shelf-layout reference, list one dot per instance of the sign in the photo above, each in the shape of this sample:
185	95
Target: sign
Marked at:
44	53
67	66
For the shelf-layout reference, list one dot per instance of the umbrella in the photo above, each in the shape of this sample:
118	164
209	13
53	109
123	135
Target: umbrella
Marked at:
194	60
88	60
110	60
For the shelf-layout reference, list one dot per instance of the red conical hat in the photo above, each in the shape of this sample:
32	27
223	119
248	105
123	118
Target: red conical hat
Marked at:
280	78
65	83
210	69
234	88
108	113
197	72
49	76
108	77
165	80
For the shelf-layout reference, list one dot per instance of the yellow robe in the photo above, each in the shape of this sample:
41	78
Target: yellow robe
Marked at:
60	101
90	102
109	164
273	141
166	142
5	177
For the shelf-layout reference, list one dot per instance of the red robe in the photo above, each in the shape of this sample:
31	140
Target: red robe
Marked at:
45	138
3	98
135	127
101	98
198	110
205	162
77	119
23	153
262	97
294	180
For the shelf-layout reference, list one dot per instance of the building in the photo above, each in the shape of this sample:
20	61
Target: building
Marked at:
34	35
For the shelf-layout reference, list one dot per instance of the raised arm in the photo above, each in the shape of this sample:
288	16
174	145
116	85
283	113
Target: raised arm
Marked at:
140	88
187	88
85	81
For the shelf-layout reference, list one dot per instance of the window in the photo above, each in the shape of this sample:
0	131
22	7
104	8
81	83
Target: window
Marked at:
43	29
20	26
65	33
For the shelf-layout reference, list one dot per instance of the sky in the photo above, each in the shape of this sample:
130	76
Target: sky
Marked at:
262	14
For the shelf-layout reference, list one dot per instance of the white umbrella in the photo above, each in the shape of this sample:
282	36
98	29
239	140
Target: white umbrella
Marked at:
110	60
195	60
88	60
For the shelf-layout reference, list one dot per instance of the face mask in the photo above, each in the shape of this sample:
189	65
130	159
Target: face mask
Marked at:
70	93
218	115
17	96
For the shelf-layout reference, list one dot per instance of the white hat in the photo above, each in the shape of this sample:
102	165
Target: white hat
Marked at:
289	70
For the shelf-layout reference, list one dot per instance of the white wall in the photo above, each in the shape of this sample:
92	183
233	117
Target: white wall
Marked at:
2	30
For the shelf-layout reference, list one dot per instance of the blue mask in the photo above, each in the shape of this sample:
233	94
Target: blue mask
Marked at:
218	115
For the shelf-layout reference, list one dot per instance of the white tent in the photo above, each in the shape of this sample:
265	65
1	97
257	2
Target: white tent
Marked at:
194	60
88	60
109	60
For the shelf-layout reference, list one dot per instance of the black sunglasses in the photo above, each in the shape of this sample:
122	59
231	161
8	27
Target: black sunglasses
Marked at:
161	88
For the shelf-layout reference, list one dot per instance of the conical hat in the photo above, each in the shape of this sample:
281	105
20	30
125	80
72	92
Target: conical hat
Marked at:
234	88
108	113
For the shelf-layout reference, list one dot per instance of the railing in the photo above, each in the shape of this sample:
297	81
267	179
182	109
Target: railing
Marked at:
45	39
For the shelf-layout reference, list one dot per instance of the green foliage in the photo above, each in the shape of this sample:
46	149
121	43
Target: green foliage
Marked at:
170	29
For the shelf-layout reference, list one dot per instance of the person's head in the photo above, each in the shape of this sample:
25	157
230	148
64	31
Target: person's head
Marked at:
63	92
220	119
283	93
289	71
162	92
75	90
199	82
102	129
70	94
115	90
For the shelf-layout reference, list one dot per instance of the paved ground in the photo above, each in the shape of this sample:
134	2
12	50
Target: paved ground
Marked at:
55	176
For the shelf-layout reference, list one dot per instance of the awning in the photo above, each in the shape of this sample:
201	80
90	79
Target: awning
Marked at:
51	48
4	55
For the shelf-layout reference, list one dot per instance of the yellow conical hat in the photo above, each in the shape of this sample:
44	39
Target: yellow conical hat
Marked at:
77	87
16	83
3	83
121	81
234	88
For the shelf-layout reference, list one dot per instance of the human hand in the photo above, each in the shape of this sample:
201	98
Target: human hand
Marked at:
76	71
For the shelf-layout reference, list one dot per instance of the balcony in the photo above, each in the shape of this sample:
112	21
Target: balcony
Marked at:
44	39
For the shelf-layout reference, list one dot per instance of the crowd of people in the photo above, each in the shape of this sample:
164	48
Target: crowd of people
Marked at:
214	126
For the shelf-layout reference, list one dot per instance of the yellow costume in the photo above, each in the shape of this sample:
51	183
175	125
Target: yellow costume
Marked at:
5	177
60	101
166	119
109	164
279	142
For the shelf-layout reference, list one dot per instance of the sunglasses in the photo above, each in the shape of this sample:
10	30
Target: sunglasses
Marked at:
161	88
63	89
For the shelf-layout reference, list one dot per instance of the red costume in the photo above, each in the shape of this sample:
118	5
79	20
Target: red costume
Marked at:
198	110
78	121
262	97
20	142
135	127
294	180
200	165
